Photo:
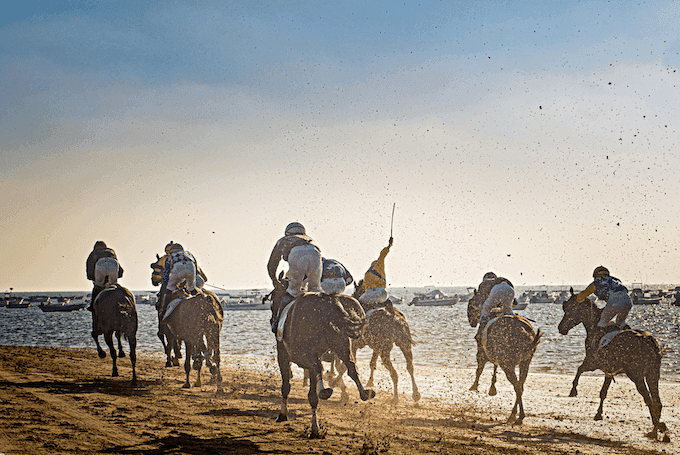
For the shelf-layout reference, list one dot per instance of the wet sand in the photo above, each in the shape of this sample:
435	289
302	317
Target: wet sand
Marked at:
65	401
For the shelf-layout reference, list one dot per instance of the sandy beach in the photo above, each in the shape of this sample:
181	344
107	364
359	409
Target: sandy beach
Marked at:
65	401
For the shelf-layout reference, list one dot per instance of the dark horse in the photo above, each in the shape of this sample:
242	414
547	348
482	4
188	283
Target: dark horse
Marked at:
385	327
116	313
197	321
317	323
510	341
634	352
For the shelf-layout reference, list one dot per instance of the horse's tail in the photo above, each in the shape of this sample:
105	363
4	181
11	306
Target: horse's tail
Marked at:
352	326
537	339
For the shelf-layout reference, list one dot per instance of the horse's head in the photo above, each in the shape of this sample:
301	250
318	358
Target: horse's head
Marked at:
573	313
157	274
358	289
474	310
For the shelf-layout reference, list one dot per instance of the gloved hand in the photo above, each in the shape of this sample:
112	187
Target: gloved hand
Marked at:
391	241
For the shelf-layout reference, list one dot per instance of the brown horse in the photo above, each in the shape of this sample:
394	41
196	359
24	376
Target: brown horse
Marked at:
116	313
315	324
386	326
634	352
197	321
510	342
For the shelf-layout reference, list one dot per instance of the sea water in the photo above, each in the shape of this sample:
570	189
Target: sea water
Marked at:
442	334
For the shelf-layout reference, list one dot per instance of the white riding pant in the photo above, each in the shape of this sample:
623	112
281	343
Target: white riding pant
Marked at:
619	305
333	285
304	261
183	271
106	268
373	295
501	296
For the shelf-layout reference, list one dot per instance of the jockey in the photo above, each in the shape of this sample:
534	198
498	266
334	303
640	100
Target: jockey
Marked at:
334	276
102	269
495	292
158	266
611	290
304	264
180	265
374	283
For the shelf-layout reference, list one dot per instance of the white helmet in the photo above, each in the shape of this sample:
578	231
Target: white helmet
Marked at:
295	228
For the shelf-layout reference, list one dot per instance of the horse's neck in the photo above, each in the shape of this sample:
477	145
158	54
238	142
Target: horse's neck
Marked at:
592	317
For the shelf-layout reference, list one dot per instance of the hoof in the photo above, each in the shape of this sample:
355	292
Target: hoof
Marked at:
114	374
213	369
121	354
367	395
573	393
101	354
282	418
651	435
133	382
416	396
186	385
473	388
492	392
598	417
511	419
666	438
519	421
325	394
197	365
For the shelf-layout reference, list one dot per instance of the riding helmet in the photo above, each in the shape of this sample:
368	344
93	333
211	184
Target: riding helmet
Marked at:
489	276
168	246
295	228
600	271
175	247
99	245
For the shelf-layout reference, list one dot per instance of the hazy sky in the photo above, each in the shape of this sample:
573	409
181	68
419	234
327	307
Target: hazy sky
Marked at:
535	139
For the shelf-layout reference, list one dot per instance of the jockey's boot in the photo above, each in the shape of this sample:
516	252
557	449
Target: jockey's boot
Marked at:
287	298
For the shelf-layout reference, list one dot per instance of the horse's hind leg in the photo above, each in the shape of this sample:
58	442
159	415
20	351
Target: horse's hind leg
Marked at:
481	361
519	389
187	364
132	341
408	355
108	336
492	388
121	353
653	386
348	361
385	357
286	374
603	395
100	352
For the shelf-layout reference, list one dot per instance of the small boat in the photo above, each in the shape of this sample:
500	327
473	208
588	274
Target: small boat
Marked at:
640	297
10	301
395	300
434	298
249	301
63	304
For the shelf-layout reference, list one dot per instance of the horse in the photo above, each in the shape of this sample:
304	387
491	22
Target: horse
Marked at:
386	326
169	342
510	342
116	312
315	324
196	321
634	352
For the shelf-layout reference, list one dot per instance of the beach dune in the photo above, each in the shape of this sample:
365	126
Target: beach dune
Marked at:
64	401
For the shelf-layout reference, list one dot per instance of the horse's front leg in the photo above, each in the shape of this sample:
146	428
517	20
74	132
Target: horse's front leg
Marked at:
481	361
587	365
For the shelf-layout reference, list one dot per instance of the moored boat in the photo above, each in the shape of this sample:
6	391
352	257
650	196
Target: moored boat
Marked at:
63	304
434	298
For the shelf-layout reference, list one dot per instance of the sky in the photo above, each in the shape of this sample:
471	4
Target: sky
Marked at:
536	139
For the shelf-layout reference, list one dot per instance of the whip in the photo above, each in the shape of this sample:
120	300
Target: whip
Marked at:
392	222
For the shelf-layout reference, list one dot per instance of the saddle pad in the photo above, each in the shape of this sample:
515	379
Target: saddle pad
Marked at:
282	321
171	307
370	312
608	337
